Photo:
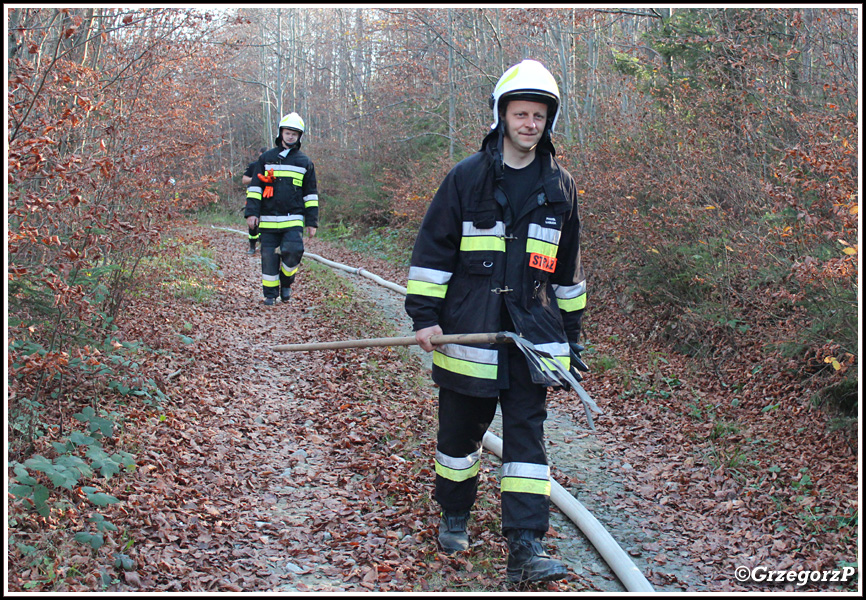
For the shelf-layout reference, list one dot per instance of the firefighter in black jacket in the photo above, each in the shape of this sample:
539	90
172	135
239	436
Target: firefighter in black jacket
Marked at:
281	199
499	250
246	179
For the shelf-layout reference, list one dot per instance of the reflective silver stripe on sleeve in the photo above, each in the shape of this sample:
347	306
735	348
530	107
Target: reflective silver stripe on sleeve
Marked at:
429	275
555	349
569	292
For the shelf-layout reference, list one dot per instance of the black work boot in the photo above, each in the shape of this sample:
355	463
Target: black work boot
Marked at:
285	294
527	559
252	249
452	531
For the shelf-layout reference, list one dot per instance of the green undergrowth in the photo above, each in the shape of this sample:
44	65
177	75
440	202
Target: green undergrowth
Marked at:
188	271
390	244
353	316
68	444
221	214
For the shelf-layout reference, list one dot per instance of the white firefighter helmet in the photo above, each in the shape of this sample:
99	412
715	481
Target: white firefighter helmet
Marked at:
292	121
528	80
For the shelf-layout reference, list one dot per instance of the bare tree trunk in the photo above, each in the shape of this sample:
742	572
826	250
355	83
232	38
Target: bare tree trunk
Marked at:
293	65
278	88
267	121
558	40
451	92
585	121
359	63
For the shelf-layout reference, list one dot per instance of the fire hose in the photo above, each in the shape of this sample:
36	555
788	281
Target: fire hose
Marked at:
602	541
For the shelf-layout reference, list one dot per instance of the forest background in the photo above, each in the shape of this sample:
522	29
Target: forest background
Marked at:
716	151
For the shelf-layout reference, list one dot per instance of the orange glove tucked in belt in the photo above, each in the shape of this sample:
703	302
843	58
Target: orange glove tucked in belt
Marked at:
268	178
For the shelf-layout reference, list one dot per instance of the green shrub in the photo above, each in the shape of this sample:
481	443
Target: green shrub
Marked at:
42	483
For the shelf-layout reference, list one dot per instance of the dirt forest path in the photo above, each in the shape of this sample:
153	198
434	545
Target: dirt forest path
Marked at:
289	472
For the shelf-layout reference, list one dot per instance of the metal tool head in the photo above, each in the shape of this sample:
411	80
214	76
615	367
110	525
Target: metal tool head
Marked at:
553	373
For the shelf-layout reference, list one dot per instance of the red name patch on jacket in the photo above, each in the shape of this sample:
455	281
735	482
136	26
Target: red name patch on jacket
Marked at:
545	263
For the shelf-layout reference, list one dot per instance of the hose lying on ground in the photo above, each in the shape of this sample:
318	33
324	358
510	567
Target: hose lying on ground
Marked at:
610	551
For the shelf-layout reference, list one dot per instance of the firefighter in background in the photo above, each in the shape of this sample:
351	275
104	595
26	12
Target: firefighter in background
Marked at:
246	179
499	250
281	200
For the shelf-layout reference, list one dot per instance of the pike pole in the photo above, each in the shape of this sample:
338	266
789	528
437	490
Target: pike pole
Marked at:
548	365
436	340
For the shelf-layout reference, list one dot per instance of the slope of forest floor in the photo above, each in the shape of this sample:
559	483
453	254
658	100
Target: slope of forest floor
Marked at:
270	471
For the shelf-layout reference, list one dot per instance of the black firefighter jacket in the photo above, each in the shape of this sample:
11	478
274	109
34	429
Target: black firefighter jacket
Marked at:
471	256
295	200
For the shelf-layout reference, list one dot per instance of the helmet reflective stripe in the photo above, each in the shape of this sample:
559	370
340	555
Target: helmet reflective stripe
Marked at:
292	121
529	77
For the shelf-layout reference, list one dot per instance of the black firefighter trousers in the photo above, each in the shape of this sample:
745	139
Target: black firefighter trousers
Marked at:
464	419
279	269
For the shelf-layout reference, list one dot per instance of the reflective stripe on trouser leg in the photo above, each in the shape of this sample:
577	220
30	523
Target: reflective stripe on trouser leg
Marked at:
525	476
254	233
462	423
291	251
270	242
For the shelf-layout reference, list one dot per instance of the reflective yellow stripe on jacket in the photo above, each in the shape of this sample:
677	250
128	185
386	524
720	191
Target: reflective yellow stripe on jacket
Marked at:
570	297
296	173
475	239
428	282
560	353
281	221
467	360
254	191
542	240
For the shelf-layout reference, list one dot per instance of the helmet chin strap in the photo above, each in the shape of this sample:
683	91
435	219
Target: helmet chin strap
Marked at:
499	168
